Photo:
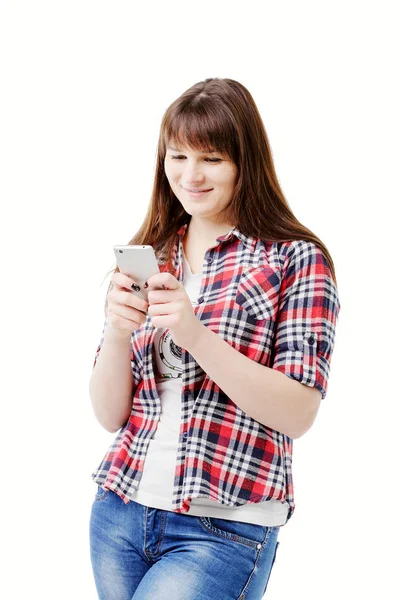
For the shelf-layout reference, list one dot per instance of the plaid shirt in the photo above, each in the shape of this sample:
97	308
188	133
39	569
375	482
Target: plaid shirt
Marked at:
275	302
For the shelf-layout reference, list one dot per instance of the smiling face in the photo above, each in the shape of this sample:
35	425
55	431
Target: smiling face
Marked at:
211	174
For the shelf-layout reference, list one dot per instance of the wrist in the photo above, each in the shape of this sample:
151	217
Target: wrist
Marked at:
114	335
199	333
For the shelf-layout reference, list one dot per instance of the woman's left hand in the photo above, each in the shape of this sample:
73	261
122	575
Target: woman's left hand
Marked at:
172	308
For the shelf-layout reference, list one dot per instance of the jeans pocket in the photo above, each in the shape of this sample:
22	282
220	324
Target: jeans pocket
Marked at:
100	494
248	534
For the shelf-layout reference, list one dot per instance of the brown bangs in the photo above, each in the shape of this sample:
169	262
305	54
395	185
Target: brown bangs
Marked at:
201	126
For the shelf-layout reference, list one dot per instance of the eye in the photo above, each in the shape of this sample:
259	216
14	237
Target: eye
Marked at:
213	160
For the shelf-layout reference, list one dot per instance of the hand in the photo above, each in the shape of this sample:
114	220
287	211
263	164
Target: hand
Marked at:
172	308
124	308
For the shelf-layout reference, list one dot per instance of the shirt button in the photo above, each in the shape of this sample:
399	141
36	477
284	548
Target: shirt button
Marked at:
200	300
185	434
259	546
311	339
210	260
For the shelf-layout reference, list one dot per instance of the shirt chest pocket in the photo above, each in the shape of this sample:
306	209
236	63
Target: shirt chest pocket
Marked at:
258	292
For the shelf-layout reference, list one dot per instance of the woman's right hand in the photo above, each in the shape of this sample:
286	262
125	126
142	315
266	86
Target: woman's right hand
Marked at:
124	307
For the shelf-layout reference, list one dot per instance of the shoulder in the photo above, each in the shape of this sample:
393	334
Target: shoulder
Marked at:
303	264
293	254
306	271
301	254
295	249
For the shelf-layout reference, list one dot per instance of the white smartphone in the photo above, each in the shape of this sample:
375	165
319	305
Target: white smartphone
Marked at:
139	263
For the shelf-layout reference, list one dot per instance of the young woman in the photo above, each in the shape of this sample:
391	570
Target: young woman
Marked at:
210	381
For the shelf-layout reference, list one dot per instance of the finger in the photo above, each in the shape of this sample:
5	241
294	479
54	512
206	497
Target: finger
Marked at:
130	314
168	321
163	280
129	299
122	281
155	296
167	308
120	296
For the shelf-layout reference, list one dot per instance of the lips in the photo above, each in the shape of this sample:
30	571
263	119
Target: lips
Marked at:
195	191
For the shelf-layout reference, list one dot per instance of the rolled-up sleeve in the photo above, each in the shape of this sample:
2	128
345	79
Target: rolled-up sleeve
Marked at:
306	321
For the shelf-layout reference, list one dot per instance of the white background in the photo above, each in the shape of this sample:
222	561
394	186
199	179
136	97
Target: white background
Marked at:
84	85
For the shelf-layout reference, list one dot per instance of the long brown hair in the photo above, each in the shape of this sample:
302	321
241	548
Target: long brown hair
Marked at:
220	114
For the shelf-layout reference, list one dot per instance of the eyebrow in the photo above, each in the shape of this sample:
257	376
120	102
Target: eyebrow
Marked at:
176	150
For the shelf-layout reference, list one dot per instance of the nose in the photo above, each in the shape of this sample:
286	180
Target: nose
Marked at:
193	173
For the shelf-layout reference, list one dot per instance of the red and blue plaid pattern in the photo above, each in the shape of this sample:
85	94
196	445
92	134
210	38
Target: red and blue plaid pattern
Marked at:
276	303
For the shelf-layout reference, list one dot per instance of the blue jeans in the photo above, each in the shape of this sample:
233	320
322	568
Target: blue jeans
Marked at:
143	553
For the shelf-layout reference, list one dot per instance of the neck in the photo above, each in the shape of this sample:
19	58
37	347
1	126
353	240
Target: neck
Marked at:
206	232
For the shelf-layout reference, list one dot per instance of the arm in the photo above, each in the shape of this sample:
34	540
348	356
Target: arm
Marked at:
112	385
285	396
268	396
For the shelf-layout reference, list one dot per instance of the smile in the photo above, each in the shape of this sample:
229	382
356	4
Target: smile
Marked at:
197	193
